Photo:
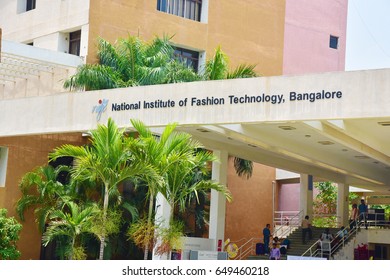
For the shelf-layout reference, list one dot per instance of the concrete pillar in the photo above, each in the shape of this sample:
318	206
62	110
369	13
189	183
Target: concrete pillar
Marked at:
306	195
163	214
218	201
342	204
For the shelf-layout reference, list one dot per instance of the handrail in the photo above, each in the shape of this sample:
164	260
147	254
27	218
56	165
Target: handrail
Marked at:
313	250
295	221
243	252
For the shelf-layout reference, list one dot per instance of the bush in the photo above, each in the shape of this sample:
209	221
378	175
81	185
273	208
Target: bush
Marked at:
9	234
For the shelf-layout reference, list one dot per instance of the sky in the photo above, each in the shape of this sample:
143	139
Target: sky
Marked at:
368	35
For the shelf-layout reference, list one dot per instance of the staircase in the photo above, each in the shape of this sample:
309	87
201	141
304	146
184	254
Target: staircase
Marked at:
296	246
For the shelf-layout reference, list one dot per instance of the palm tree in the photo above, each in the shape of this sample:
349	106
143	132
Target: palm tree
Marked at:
177	157
71	221
41	190
180	189
217	68
159	152
107	161
131	62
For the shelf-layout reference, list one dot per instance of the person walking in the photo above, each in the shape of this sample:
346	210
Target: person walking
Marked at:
353	217
306	229
363	213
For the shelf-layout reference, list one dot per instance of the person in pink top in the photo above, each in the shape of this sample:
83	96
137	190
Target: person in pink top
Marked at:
353	216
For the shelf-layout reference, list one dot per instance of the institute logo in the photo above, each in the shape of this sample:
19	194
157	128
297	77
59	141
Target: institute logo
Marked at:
99	109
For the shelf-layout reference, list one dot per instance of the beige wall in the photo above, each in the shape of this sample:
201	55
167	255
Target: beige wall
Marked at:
251	208
24	154
249	32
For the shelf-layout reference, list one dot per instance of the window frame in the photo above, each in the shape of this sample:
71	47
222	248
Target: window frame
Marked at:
189	9
180	54
333	42
31	5
76	41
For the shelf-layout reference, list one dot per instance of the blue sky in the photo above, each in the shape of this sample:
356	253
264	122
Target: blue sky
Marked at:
368	35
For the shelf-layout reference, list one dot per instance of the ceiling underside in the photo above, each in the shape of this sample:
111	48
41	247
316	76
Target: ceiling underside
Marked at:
351	151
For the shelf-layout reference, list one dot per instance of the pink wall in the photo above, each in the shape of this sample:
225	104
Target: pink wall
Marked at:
308	27
289	197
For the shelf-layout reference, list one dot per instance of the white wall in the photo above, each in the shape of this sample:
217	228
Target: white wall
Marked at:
45	23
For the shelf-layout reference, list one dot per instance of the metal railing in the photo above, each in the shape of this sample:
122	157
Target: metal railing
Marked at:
318	249
285	222
341	239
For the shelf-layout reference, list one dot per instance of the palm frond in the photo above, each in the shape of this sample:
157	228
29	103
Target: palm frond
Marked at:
242	71
243	167
93	77
217	67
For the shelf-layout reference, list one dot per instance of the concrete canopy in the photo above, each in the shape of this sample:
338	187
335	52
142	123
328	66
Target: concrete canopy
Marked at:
334	126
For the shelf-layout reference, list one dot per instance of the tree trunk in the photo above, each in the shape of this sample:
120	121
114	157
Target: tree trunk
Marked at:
103	237
171	219
71	254
146	251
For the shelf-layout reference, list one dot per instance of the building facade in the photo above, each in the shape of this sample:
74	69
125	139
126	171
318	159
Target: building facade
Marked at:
282	37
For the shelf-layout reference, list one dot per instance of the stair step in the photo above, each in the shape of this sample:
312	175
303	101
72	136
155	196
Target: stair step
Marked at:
296	246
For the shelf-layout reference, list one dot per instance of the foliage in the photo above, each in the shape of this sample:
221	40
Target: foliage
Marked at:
325	204
107	226
70	221
325	222
79	253
326	200
107	162
178	159
170	238
243	167
9	234
131	62
142	232
42	191
352	196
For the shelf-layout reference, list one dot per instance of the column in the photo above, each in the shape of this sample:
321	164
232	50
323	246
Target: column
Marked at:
306	195
162	216
342	204
218	201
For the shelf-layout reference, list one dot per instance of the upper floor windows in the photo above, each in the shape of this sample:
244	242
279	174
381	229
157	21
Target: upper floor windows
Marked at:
26	5
3	165
75	42
333	42
30	5
188	57
190	9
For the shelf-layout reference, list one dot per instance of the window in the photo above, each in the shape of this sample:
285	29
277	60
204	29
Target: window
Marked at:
188	57
23	6
74	42
3	165
30	5
190	9
333	42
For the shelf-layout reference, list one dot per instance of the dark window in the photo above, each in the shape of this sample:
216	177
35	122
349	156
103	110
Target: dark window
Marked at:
30	5
74	42
333	42
189	58
190	9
